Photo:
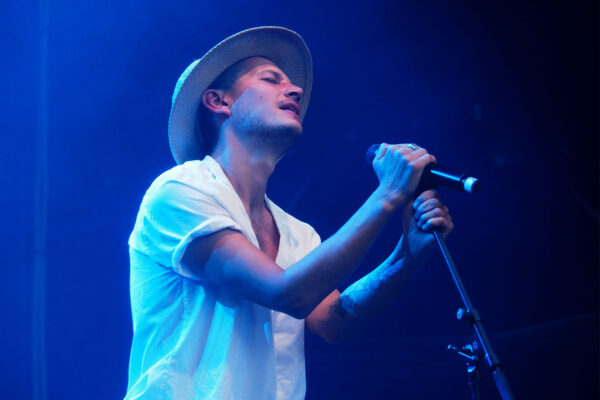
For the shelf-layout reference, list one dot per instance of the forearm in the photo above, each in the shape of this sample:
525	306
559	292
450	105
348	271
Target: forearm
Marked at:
366	297
342	315
311	279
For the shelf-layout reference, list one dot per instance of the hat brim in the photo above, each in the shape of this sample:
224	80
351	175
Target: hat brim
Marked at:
285	48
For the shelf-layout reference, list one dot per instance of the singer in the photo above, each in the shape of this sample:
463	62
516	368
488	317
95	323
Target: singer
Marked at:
223	281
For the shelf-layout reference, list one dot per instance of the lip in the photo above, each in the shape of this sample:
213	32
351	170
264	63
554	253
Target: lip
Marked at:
291	106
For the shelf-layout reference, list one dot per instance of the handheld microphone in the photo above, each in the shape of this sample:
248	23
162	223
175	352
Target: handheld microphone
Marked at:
435	175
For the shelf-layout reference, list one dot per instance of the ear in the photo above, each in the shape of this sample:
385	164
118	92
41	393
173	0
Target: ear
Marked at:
216	102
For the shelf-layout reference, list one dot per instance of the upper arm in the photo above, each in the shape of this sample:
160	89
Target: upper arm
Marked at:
174	213
183	226
229	260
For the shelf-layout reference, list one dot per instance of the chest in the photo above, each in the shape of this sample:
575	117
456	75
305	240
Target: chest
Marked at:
266	233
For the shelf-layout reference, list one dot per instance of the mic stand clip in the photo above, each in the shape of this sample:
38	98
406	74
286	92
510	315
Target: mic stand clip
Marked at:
471	354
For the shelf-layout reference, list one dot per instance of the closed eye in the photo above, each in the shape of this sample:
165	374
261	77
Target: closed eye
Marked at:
271	80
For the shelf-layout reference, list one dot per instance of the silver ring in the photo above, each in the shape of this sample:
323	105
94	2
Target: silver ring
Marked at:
412	147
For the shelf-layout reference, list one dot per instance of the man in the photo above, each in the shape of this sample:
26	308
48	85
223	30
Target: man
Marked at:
223	281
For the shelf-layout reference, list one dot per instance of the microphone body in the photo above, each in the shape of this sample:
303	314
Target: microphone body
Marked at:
435	175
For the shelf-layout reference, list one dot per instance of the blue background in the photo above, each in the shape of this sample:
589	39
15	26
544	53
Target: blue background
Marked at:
507	91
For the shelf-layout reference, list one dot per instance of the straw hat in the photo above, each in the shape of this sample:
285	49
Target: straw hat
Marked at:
285	48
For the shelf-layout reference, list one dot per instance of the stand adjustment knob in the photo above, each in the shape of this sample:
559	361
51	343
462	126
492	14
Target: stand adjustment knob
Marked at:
470	316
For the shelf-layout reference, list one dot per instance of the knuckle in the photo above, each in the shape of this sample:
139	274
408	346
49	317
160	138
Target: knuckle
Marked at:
423	197
426	195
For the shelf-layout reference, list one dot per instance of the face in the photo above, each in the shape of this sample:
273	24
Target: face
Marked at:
264	104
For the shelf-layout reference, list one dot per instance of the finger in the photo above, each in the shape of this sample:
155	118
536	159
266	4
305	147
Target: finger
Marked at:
397	154
416	146
410	151
441	224
396	149
423	217
418	165
424	160
407	153
423	197
431	204
383	147
413	155
412	146
408	148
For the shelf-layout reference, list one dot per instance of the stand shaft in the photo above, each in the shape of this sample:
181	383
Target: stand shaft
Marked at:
488	354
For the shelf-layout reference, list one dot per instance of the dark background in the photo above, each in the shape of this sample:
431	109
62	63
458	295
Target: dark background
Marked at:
507	91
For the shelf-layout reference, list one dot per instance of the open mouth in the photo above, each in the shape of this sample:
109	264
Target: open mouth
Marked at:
292	107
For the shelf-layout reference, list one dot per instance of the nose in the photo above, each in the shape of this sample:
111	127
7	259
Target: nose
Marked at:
294	92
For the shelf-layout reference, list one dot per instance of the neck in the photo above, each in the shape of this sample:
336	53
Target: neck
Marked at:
247	171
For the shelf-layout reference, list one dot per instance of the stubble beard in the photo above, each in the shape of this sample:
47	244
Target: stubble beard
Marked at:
277	139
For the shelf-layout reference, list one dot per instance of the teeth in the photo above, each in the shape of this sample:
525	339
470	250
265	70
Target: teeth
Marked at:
291	108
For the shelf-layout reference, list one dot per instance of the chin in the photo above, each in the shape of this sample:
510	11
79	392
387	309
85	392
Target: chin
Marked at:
283	138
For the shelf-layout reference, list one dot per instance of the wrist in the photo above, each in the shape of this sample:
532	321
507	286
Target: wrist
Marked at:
390	201
403	258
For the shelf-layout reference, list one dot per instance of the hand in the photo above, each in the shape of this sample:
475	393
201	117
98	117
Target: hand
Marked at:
421	217
399	169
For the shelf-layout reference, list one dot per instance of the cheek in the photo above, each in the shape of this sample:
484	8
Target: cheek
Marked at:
255	98
249	100
248	110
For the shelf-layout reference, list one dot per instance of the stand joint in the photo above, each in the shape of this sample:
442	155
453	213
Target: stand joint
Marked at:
471	316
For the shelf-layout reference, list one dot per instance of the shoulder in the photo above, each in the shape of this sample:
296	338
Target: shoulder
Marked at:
193	178
193	173
187	198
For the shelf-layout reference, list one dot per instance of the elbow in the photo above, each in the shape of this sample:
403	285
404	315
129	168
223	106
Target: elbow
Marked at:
342	336
294	297
336	334
297	313
296	306
333	338
329	332
296	310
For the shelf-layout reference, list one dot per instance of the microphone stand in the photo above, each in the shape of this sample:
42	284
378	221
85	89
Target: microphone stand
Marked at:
481	348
